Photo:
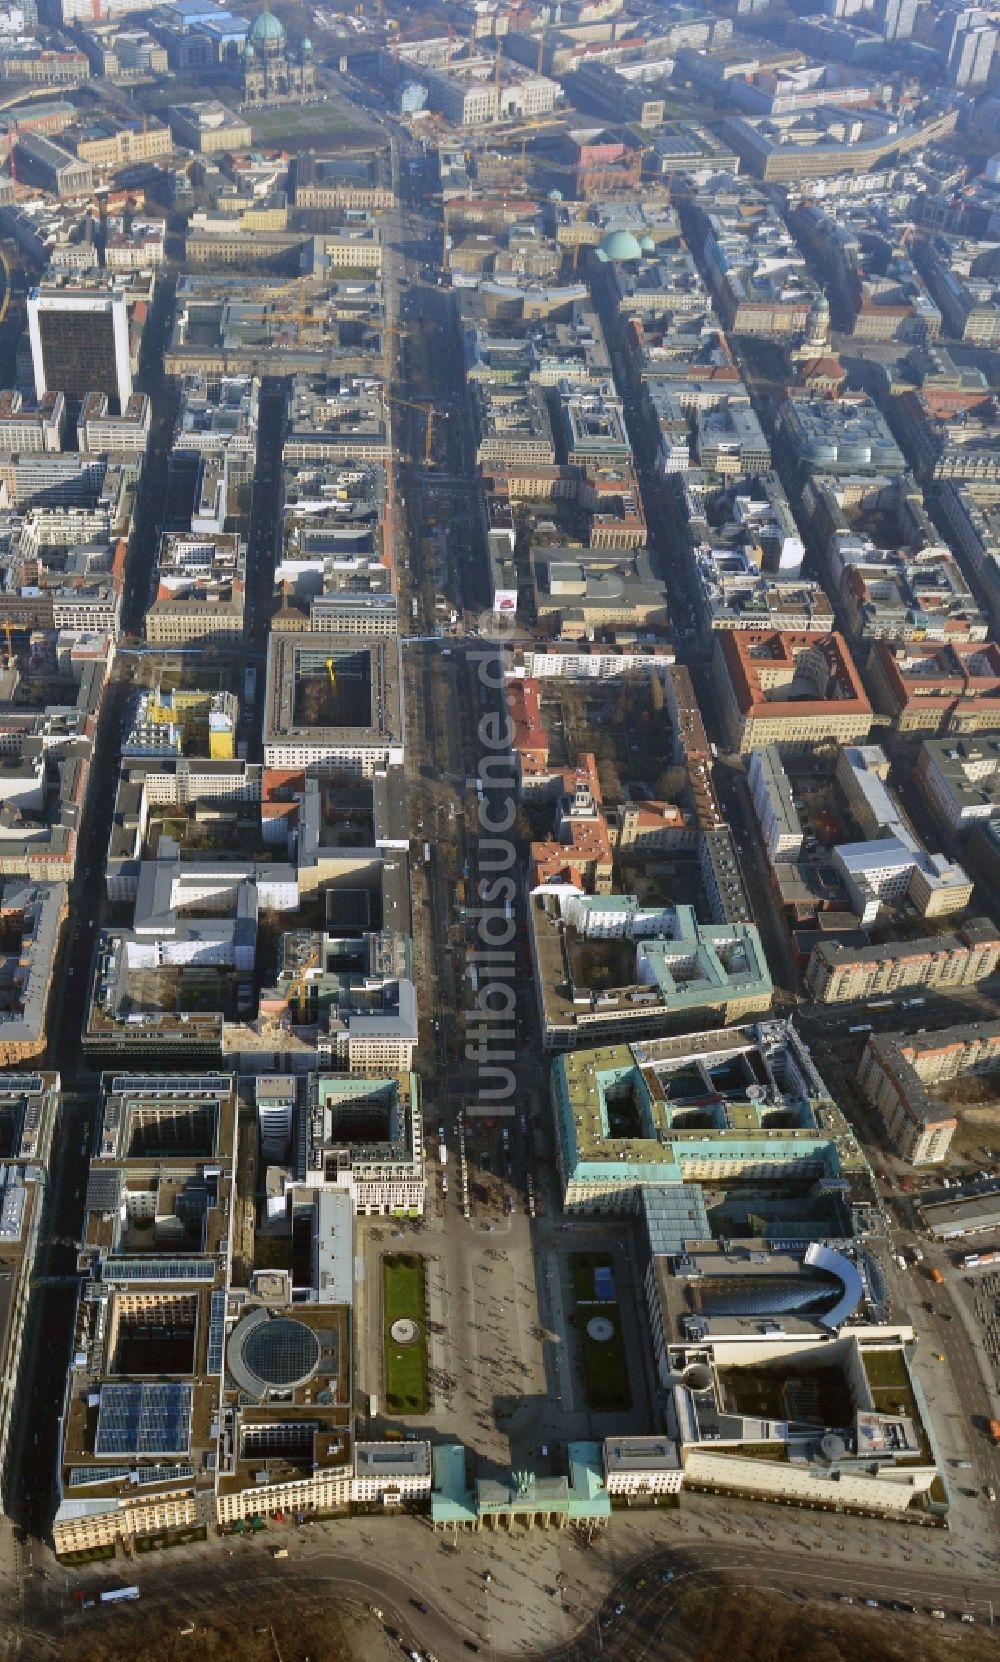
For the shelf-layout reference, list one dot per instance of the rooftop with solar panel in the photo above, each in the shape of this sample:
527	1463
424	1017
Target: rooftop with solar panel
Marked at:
160	1180
147	1353
287	1378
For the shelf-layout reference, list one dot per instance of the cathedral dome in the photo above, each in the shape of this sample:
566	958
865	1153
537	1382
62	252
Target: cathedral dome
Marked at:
620	245
266	30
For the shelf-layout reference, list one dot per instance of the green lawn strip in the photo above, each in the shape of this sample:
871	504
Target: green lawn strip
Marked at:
405	1365
605	1365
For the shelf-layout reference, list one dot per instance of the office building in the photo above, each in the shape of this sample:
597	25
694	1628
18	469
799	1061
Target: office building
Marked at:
606	966
896	18
890	863
740	1105
970	56
839	436
938	689
773	805
80	343
335	700
25	428
961	779
824	700
200	579
351	991
362	1136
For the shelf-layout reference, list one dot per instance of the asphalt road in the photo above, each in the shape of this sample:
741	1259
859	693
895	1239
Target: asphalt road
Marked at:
644	1629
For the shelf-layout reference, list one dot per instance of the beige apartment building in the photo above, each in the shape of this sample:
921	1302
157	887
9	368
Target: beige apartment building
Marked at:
838	974
894	1075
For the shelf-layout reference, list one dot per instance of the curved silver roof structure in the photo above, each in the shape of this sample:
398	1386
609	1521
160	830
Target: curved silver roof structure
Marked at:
823	1257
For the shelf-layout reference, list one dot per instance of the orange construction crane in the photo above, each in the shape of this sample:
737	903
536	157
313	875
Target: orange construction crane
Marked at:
429	411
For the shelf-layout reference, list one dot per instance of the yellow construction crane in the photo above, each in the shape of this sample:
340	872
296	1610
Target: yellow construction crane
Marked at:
300	287
331	670
297	996
8	283
429	411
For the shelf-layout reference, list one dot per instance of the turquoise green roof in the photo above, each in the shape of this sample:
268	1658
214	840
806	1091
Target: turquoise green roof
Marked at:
580	1496
621	245
266	26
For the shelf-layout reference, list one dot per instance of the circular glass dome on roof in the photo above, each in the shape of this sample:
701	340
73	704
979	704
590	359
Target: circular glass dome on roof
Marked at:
280	1353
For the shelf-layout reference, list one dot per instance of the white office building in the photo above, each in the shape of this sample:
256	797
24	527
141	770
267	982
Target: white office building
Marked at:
773	805
79	342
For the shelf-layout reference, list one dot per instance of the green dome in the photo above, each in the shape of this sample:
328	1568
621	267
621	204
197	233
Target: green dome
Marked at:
621	245
265	28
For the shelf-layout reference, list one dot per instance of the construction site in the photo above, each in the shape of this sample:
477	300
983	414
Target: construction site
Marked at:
336	695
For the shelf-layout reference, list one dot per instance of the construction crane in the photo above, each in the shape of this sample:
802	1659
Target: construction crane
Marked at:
331	670
297	995
429	411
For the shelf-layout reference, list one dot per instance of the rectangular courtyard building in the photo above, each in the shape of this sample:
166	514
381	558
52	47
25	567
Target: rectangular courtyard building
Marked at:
335	701
794	690
139	1423
743	1105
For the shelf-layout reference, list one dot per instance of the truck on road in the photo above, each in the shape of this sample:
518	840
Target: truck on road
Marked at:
115	1595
